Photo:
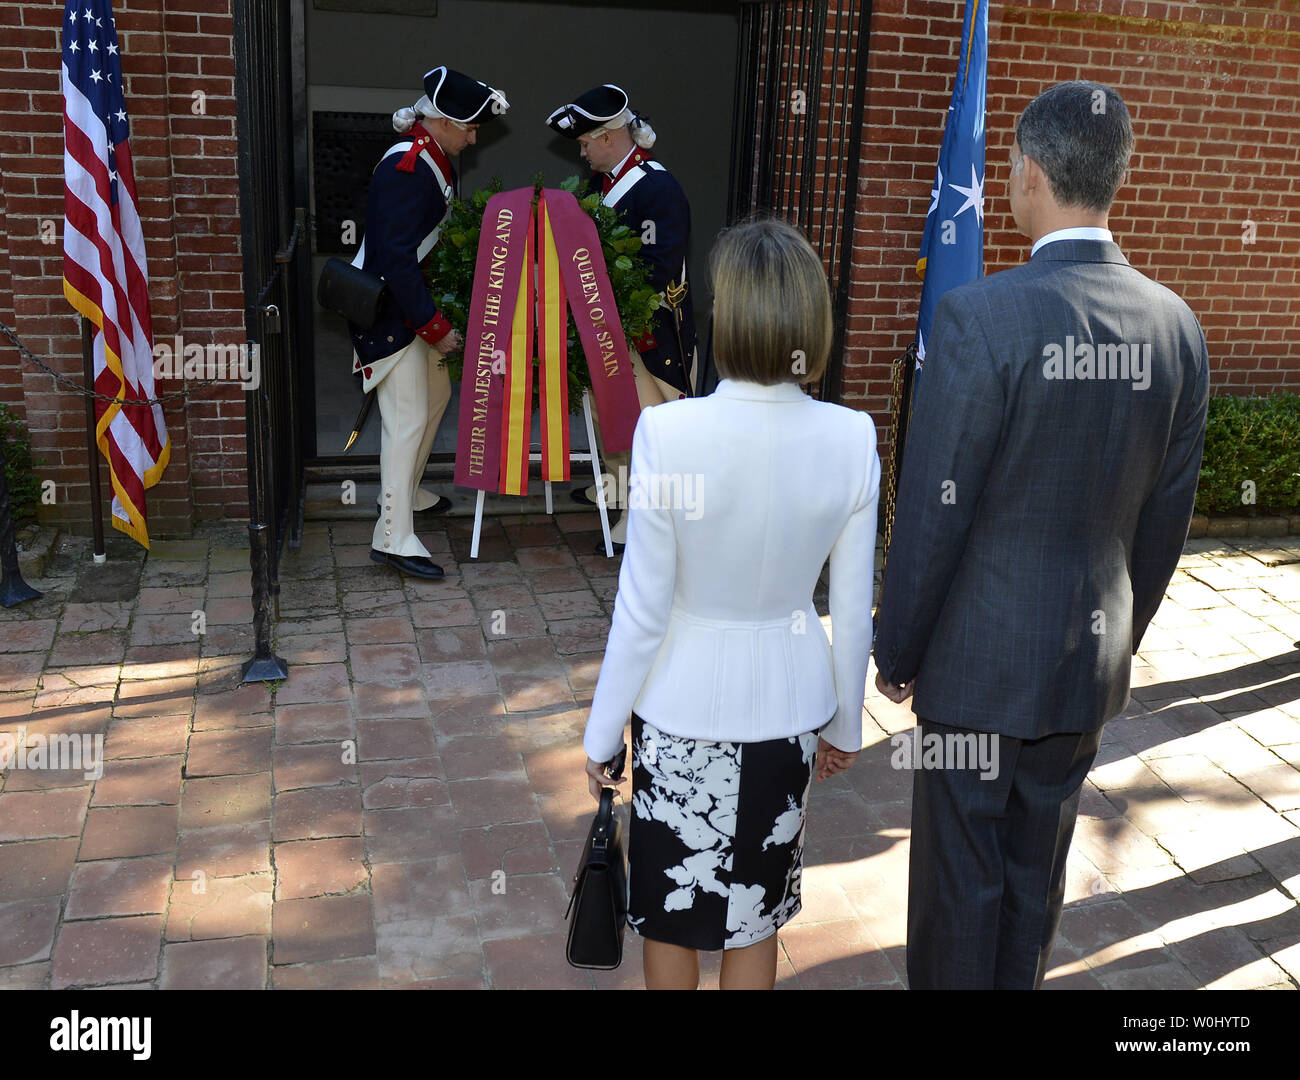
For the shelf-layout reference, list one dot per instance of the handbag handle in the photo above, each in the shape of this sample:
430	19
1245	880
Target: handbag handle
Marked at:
603	826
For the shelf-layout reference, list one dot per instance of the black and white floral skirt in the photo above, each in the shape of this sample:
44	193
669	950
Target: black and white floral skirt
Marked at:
715	845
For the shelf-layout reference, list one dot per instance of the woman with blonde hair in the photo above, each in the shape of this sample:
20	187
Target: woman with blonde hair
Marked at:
736	697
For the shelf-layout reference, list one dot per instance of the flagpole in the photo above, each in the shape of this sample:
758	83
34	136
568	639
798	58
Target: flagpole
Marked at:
92	451
900	409
952	245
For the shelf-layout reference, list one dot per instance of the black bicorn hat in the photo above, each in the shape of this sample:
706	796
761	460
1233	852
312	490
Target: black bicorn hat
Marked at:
589	111
460	98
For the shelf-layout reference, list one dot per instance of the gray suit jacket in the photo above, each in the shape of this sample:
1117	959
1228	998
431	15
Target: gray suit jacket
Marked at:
1039	518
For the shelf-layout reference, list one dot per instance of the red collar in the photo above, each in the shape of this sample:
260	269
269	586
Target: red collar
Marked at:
608	180
422	140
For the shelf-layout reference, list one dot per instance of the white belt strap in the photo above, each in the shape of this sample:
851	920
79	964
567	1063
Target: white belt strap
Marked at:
427	244
630	179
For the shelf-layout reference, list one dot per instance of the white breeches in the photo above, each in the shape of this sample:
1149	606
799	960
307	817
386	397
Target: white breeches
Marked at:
412	398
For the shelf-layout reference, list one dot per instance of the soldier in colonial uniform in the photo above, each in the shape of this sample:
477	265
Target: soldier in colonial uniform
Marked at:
400	357
615	141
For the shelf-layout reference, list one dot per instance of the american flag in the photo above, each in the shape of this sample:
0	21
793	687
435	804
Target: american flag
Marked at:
104	272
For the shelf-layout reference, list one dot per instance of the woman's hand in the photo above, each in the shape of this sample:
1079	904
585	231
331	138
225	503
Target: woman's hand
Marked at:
597	779
831	760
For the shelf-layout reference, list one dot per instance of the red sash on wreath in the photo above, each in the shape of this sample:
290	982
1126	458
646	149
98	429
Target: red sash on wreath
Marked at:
530	267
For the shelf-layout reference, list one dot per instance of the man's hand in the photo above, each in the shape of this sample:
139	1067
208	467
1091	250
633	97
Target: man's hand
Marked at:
434	330
450	344
831	760
896	694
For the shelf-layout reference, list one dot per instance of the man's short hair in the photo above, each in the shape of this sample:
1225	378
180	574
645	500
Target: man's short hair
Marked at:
1080	133
771	304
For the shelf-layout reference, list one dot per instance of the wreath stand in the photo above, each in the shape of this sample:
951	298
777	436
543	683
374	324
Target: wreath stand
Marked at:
591	455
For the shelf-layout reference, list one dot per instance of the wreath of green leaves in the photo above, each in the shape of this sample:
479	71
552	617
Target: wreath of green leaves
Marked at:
449	273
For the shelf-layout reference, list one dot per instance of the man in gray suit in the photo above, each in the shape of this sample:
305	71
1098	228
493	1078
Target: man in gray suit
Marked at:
1045	498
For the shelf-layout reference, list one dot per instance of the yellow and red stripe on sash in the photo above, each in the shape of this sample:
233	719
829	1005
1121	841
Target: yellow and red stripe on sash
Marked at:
553	352
517	414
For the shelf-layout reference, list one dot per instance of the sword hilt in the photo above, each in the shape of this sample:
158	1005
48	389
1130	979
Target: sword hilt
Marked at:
675	294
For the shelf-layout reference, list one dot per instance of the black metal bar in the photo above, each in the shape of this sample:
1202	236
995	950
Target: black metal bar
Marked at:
783	189
297	343
744	103
833	380
775	155
823	208
780	153
830	207
92	449
303	325
255	66
273	239
291	225
780	150
772	92
829	203
812	73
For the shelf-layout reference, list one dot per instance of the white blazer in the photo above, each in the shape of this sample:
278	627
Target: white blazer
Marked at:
735	500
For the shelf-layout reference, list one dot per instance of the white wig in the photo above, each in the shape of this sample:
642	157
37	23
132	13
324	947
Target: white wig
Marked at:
406	118
642	133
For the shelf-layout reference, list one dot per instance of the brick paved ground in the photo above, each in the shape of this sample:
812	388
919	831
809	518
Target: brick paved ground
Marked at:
405	811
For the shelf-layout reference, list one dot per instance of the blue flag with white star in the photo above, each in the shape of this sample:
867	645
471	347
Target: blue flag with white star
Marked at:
952	248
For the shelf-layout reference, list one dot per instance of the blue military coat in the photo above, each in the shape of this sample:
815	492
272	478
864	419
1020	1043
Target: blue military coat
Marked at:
403	212
657	197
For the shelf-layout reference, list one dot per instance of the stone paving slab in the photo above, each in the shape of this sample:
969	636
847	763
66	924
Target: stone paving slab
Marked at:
407	808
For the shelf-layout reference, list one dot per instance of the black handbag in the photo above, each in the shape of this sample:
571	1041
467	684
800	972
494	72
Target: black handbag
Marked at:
598	908
349	291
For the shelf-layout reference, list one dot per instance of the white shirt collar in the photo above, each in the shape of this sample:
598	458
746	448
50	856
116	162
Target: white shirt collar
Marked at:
1081	233
743	388
615	170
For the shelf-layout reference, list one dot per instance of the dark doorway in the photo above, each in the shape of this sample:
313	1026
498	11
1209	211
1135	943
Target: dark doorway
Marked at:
721	103
676	60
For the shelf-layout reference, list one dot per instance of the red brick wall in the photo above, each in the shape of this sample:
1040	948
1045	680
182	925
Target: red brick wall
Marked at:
187	180
1212	88
1214	92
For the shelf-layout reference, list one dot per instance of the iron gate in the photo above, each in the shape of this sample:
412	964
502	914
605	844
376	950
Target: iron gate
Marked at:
801	82
276	269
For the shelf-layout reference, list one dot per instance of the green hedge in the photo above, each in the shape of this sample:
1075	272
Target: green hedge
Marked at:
20	468
1255	439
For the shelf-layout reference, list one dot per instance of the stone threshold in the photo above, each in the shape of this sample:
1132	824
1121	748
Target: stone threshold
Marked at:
324	501
1203	526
